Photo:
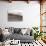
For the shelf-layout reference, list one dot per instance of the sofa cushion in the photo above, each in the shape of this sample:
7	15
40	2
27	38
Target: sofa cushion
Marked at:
22	38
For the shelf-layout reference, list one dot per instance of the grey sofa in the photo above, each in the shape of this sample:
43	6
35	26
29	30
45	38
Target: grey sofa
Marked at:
17	35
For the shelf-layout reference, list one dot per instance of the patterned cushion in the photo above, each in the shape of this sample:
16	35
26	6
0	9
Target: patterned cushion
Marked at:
11	29
23	31
17	30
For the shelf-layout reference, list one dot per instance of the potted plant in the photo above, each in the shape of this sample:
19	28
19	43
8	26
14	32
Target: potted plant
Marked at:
37	33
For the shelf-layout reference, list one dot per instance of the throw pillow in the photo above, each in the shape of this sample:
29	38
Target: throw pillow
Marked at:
23	31
17	30
11	30
28	31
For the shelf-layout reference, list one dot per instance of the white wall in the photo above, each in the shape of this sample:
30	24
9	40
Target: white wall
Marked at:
30	13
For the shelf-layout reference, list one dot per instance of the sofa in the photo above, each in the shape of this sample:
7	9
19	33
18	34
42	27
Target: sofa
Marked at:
17	34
